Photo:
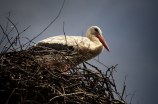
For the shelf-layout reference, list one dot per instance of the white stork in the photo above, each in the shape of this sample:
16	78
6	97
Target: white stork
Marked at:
88	47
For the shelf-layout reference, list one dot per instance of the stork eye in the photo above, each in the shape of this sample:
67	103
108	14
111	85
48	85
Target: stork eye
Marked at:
96	30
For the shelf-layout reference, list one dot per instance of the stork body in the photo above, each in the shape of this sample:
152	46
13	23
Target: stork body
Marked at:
84	48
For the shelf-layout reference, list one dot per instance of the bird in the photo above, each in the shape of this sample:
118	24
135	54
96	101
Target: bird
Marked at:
76	49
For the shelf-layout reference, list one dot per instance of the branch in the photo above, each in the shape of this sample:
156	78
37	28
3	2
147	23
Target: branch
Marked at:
49	24
64	32
17	32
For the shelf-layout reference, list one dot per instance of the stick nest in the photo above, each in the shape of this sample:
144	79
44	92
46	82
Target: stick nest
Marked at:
25	81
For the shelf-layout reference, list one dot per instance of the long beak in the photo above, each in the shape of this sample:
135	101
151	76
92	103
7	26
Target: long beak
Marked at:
103	42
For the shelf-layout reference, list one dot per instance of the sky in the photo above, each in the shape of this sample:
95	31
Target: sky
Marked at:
130	28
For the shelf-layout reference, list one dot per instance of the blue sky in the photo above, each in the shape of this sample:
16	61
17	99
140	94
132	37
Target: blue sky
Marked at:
130	29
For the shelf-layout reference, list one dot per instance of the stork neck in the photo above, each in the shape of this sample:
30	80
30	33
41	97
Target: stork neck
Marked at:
97	48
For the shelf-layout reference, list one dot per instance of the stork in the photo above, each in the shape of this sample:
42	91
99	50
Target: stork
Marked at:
85	48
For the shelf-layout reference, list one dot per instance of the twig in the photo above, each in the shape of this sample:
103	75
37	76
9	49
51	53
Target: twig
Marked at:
7	37
64	33
24	30
66	95
124	86
6	47
48	25
17	32
7	21
101	63
83	29
10	96
132	97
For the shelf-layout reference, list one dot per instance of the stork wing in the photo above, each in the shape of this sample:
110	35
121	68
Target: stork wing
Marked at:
65	42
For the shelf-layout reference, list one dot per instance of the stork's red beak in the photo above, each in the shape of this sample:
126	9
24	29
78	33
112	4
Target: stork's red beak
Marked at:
103	42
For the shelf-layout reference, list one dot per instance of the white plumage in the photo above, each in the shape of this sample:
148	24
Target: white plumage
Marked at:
93	43
76	42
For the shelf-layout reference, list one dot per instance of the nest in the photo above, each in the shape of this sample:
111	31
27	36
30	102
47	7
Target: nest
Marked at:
25	81
26	78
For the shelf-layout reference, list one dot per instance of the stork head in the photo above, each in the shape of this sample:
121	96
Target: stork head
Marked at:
94	33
